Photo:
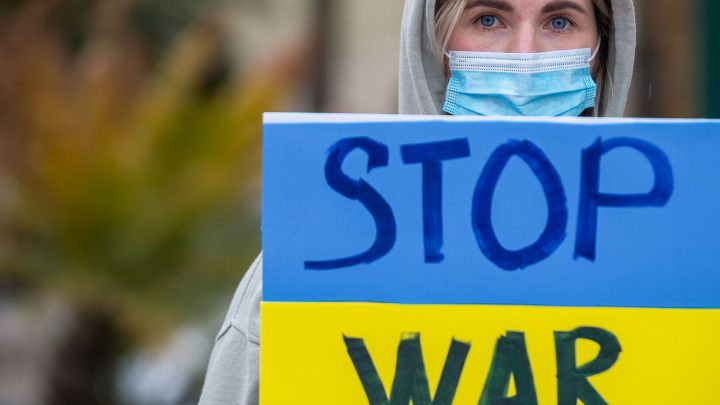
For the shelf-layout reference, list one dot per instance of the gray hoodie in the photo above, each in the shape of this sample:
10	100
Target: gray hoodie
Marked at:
233	372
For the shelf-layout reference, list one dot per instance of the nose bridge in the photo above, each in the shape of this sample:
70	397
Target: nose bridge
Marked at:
524	39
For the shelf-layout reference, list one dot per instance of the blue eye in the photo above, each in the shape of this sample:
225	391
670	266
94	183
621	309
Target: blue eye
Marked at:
487	20
559	23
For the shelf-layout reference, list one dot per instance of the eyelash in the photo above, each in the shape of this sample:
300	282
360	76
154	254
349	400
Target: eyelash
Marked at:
560	31
476	21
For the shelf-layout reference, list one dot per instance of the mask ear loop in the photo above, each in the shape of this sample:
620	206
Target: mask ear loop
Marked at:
595	52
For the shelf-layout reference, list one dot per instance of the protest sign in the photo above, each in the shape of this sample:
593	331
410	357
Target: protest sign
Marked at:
468	260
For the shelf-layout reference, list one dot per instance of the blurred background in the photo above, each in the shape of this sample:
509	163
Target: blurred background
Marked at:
130	162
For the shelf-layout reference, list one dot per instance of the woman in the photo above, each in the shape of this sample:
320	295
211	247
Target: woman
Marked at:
423	81
527	36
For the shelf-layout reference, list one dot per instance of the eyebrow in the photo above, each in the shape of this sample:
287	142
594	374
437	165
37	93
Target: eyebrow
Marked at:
498	4
562	5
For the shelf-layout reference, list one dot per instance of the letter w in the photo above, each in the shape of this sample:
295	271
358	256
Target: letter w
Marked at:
410	382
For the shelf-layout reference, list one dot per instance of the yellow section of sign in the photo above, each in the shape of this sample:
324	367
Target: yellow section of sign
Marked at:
669	356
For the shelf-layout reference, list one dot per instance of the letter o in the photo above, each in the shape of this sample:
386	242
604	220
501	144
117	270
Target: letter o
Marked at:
554	232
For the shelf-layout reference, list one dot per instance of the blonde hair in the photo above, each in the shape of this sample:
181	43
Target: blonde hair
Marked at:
448	12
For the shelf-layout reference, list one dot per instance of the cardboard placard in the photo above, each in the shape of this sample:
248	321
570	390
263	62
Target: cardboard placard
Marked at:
469	260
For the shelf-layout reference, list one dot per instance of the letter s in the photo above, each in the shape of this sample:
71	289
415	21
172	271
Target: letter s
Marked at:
365	194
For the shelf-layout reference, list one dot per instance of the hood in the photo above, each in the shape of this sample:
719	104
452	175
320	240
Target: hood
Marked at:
422	82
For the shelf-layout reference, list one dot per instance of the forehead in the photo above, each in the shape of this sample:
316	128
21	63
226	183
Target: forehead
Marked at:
545	6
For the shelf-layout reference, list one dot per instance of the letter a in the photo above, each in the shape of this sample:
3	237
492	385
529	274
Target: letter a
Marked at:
510	359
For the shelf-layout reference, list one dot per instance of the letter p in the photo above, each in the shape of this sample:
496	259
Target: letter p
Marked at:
591	198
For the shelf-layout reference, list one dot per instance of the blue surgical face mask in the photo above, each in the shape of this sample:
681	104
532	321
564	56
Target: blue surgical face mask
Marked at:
532	84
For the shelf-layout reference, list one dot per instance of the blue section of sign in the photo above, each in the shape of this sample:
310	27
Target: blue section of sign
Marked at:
617	213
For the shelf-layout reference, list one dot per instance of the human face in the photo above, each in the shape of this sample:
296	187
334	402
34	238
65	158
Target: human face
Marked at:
526	26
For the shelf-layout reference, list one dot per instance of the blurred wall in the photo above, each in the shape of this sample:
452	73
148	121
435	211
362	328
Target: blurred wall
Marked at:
669	67
364	56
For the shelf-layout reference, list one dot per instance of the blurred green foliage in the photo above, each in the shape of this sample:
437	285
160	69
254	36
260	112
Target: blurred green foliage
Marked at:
129	155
